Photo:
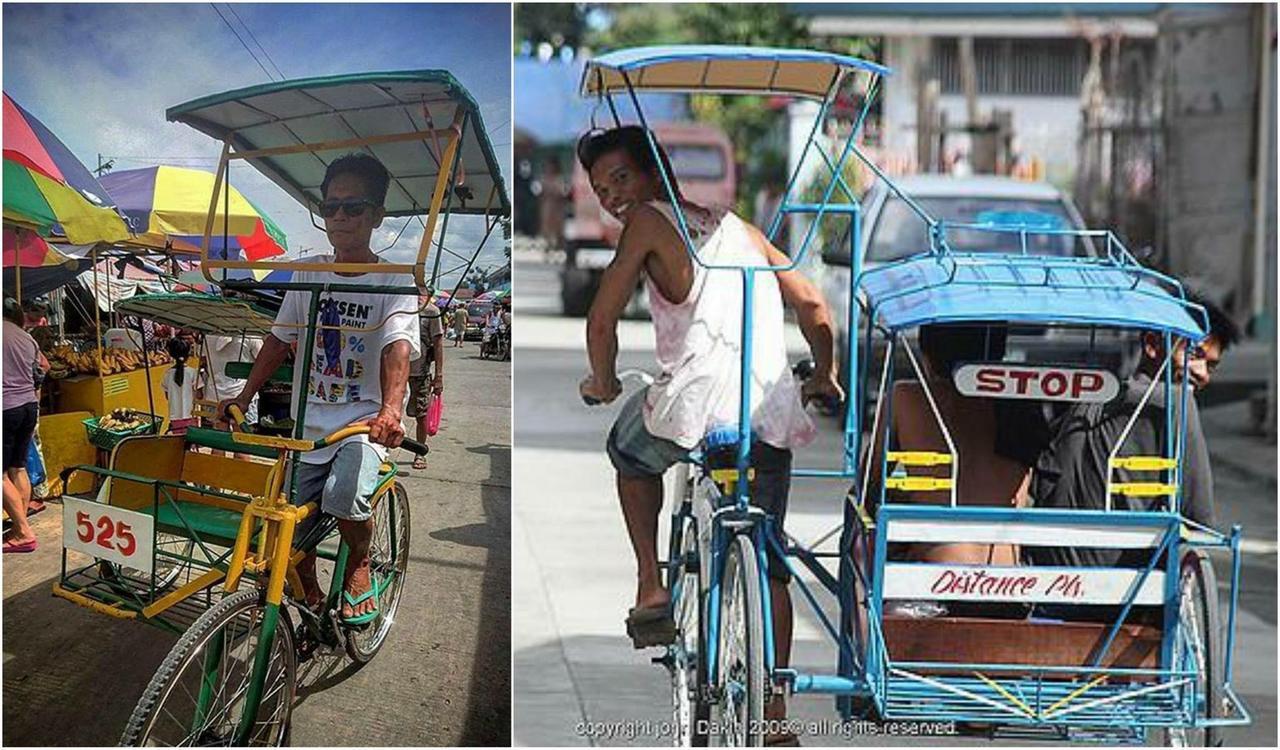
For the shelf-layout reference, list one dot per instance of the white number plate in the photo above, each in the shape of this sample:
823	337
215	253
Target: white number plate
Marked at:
122	536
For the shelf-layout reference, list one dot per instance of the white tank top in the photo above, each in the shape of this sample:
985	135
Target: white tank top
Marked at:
699	344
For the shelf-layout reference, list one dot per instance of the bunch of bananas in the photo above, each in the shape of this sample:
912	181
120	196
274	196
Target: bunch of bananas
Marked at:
64	360
120	420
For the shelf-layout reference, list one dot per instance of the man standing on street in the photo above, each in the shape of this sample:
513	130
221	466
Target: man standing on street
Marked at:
426	373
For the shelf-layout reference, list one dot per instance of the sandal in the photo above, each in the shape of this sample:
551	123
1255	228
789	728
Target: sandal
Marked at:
419	462
11	546
651	626
374	592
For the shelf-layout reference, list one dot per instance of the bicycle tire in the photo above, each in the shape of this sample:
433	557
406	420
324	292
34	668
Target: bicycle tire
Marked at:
363	643
128	581
142	725
740	674
1200	624
687	665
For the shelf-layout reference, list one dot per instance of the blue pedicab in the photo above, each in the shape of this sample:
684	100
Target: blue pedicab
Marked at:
1159	662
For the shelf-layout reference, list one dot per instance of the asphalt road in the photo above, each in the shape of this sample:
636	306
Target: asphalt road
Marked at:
71	676
579	682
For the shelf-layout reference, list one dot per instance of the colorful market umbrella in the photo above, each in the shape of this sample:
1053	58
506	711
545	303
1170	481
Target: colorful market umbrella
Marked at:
33	267
47	189
173	202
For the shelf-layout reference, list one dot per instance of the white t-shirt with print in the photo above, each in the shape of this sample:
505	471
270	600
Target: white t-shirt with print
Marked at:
345	379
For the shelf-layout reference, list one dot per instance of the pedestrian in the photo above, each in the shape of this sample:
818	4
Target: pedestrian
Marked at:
426	373
24	366
219	352
180	384
459	324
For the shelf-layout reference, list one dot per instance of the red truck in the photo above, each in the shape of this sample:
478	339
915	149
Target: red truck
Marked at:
702	159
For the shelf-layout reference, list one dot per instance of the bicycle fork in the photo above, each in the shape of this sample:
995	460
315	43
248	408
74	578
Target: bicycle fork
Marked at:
273	556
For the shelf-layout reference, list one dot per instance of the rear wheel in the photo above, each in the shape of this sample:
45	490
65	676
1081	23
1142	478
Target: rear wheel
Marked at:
199	695
388	562
740	674
172	557
1197	647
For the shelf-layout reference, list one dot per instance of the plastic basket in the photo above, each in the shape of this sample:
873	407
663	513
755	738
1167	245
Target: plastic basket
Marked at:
106	439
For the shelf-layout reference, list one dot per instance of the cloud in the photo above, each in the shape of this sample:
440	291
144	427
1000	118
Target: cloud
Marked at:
106	91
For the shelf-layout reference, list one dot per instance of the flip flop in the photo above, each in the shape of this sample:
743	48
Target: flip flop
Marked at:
651	626
20	547
375	591
420	462
34	507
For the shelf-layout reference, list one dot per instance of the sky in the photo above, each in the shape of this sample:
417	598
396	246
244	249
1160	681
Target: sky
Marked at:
100	76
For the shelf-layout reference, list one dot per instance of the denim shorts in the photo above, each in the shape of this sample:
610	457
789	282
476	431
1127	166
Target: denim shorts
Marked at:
635	452
342	484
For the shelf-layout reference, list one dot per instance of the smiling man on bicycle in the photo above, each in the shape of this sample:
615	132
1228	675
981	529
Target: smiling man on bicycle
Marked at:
358	373
697	322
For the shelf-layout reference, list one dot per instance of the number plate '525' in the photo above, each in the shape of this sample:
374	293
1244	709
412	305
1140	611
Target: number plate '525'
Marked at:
108	533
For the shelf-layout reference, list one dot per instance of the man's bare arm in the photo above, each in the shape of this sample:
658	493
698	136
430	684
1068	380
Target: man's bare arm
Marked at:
812	312
386	428
272	354
616	285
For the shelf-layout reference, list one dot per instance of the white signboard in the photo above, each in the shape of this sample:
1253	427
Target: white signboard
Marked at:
1006	380
1019	584
122	536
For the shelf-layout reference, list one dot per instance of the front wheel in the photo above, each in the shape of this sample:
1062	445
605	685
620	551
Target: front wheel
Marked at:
686	655
740	678
1197	647
200	695
388	562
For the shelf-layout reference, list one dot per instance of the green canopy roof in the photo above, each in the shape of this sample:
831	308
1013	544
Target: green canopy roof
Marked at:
204	313
365	105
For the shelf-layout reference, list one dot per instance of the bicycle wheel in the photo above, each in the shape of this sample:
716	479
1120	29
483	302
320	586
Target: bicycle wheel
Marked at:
388	561
740	653
198	695
172	557
687	667
1198	646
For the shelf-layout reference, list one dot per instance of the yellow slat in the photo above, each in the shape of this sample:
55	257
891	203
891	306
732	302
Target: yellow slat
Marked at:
1144	463
918	484
919	458
1144	489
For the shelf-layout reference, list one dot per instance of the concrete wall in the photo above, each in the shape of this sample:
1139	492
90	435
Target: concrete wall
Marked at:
1210	60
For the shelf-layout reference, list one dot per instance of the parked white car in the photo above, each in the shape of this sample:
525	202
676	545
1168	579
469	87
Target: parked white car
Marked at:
891	230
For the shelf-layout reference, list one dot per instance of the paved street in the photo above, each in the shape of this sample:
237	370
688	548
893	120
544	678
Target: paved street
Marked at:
576	673
71	676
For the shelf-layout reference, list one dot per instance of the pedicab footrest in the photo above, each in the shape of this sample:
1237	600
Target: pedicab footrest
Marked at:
1144	489
918	484
919	458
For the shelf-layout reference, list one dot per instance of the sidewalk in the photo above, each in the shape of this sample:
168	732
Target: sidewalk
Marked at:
72	676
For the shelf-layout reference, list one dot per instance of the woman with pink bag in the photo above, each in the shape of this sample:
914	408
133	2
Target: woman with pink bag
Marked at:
426	376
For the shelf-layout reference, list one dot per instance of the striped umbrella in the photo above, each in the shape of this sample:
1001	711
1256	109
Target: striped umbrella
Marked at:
173	202
47	189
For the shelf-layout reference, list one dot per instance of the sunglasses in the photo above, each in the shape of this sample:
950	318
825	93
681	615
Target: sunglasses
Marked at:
350	206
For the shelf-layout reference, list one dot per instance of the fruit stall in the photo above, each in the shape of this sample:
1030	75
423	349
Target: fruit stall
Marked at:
100	380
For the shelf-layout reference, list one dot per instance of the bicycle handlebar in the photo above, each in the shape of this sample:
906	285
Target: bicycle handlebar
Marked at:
244	436
636	373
